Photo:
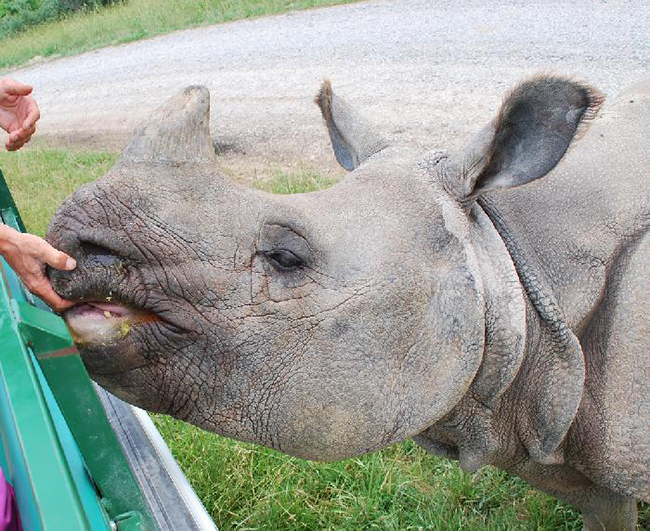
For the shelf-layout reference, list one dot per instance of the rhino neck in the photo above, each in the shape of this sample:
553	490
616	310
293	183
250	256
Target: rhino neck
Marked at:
529	386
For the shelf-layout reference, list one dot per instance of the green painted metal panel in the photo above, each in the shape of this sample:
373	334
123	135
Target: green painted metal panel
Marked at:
88	495
95	438
7	203
36	459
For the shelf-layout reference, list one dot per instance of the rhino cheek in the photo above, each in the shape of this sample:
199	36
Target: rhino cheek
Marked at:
347	397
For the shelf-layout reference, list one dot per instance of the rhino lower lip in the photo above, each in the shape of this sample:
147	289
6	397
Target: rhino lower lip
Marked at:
102	322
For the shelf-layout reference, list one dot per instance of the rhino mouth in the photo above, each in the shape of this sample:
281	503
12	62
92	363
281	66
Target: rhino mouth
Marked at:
93	322
112	299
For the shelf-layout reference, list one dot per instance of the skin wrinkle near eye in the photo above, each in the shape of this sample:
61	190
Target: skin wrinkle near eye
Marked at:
362	290
321	274
290	229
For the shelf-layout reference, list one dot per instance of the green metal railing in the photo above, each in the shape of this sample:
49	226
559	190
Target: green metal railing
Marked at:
58	448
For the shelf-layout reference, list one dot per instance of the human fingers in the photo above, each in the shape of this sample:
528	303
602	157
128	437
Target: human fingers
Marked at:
57	259
35	252
42	288
20	137
15	88
22	134
15	145
33	114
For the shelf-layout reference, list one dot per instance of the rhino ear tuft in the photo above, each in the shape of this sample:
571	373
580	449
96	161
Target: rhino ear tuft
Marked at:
354	139
534	128
177	132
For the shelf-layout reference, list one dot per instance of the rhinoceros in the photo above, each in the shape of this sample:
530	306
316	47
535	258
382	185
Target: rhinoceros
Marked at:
491	304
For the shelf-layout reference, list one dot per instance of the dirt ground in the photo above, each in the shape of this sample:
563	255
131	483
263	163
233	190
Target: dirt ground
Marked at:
429	73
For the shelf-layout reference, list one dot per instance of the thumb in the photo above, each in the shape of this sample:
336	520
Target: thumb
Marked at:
59	259
16	88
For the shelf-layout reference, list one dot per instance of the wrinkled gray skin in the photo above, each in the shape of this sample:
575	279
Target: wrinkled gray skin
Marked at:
429	296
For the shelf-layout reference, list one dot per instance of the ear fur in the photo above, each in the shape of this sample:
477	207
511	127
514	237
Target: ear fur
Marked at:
535	126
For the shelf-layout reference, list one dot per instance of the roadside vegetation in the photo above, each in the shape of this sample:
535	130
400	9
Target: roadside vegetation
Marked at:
16	15
40	180
247	487
120	22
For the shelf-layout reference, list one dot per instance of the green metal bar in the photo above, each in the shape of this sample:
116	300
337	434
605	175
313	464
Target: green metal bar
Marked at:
37	461
7	203
95	512
97	442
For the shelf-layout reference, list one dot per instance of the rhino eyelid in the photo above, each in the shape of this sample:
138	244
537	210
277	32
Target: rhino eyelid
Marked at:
291	230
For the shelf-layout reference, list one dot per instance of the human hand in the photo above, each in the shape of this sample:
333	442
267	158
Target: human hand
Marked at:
18	112
28	255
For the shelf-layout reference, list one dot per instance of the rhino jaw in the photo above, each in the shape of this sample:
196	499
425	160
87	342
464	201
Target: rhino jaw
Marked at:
103	323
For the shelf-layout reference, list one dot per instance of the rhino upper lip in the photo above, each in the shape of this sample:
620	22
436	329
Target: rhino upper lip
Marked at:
114	305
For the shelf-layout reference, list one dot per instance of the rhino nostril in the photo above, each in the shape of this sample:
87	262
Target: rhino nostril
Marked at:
97	256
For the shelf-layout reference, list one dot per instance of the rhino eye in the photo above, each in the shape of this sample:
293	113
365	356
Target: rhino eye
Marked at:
284	260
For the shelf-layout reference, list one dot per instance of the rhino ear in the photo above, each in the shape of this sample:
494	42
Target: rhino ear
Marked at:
532	132
354	139
177	132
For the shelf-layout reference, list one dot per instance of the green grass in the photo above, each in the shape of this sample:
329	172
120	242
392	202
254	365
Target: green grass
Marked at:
302	180
247	487
133	20
41	179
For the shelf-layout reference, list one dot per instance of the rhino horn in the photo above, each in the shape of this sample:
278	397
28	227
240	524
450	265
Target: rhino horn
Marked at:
354	139
177	132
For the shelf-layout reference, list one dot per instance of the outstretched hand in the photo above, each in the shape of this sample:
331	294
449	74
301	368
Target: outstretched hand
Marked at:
28	255
18	112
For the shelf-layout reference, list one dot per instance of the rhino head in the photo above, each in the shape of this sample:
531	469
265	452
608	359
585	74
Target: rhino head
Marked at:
324	325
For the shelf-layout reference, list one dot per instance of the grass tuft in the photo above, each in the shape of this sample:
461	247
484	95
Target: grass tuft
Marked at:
133	20
301	181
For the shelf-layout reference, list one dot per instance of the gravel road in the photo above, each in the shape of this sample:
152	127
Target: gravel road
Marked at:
430	72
